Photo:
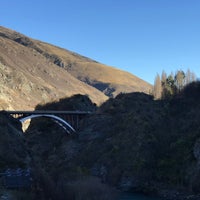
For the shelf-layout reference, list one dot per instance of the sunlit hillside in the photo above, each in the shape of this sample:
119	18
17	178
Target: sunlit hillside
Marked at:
34	72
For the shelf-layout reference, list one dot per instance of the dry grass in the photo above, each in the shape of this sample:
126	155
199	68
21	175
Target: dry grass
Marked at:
32	75
28	78
85	68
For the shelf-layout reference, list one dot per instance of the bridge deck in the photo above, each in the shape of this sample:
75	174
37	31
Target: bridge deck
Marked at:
48	112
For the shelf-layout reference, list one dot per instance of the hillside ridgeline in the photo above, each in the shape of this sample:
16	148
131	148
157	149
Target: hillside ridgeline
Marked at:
34	72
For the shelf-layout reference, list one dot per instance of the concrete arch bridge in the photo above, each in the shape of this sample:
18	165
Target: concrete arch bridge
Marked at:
68	120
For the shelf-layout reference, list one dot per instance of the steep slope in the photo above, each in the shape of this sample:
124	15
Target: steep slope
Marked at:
109	80
38	62
132	142
146	145
12	148
29	78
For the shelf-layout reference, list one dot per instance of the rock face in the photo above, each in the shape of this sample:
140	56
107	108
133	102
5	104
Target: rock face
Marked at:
34	72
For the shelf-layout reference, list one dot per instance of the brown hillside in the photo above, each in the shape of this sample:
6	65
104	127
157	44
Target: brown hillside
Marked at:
109	80
30	74
29	78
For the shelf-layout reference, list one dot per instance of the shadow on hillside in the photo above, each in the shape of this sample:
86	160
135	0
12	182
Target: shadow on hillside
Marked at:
77	102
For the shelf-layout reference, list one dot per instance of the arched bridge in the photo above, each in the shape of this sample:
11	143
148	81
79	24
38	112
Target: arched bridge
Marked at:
68	120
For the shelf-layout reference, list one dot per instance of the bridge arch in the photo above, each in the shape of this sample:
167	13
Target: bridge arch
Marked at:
61	122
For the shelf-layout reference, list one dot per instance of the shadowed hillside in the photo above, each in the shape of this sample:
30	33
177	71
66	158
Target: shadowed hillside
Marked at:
146	145
132	142
74	103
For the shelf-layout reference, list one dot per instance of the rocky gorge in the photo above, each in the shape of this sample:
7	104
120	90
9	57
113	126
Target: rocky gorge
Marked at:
130	143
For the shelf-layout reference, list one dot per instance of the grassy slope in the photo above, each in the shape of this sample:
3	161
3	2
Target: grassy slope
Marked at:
95	73
36	77
29	78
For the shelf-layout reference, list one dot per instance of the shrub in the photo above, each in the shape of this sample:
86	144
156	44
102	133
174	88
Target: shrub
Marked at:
89	188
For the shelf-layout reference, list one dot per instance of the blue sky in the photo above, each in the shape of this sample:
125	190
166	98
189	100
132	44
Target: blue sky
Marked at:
142	37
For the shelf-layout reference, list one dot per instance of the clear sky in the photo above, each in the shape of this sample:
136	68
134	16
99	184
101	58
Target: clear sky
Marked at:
142	37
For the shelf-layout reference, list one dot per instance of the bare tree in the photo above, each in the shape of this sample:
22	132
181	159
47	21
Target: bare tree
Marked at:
163	77
157	90
179	80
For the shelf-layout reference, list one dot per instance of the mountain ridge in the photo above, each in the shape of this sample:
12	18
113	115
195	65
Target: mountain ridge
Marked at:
36	72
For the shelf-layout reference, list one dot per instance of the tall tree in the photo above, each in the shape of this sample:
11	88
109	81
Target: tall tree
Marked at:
163	77
190	77
179	80
163	83
168	87
157	89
